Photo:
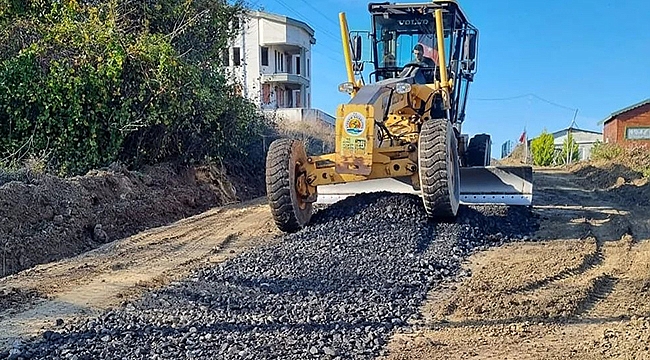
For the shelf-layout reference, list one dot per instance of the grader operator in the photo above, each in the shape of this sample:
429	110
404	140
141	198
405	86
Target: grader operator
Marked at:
403	126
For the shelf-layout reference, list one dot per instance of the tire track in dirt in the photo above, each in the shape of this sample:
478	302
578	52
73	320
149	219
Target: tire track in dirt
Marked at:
583	292
590	262
107	276
602	287
597	268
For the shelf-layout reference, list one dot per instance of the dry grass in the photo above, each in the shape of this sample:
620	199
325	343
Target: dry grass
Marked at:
318	136
635	157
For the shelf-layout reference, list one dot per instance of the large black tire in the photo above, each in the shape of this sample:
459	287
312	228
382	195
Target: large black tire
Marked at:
439	169
479	150
285	162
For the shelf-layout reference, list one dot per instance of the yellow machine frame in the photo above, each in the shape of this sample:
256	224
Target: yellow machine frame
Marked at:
358	159
406	125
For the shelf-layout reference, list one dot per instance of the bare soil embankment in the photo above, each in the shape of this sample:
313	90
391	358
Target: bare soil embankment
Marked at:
46	218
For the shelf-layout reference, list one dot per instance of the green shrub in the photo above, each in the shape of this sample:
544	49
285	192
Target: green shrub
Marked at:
542	149
602	151
91	82
570	150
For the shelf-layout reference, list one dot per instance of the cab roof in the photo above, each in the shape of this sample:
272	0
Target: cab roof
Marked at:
422	7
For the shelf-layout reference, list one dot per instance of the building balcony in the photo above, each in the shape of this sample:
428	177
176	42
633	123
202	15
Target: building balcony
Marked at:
285	78
285	48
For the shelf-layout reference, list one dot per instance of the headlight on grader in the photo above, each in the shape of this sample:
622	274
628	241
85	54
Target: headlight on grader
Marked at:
346	87
402	88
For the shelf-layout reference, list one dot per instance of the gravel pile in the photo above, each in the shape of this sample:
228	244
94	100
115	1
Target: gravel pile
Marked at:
335	290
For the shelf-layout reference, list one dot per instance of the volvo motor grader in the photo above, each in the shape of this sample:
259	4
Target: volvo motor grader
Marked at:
401	131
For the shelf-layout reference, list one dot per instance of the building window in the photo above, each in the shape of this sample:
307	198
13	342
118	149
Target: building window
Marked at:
280	97
266	94
298	65
279	62
298	102
265	56
225	57
308	68
236	56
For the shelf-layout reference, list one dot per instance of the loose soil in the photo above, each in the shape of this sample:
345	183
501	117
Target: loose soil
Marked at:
58	292
581	292
47	218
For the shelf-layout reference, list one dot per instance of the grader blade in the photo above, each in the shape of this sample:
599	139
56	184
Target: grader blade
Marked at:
504	185
478	185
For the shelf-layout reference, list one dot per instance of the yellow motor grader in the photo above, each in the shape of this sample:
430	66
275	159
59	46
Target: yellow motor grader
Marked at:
402	130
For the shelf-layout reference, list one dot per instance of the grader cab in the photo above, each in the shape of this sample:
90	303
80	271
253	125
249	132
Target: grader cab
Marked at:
401	131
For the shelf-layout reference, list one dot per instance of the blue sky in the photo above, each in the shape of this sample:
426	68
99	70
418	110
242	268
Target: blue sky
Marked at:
538	60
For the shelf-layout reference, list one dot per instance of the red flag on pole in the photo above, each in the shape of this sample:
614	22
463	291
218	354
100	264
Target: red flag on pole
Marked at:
523	138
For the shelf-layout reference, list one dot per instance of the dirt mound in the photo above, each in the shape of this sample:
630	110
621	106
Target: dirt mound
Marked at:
47	218
516	157
604	176
630	187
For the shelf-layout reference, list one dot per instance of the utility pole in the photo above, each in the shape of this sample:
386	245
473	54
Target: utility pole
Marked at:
570	140
524	138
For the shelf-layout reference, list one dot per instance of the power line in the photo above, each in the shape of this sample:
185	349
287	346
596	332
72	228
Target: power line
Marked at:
502	99
329	56
524	96
303	18
554	104
319	12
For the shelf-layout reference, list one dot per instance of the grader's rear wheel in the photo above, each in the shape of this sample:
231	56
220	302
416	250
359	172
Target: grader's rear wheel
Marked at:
286	184
478	151
439	169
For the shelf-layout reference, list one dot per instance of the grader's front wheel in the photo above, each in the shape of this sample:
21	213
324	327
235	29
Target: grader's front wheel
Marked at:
286	184
439	169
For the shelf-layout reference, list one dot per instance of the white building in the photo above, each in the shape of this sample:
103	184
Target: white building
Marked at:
272	59
584	138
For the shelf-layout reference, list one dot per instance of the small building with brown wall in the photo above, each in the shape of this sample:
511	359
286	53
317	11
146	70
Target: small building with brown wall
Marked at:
629	126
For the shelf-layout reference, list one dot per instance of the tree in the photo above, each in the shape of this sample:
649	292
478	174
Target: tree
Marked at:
93	81
569	150
542	148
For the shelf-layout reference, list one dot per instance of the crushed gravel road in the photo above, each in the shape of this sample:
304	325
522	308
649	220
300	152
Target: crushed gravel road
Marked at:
337	289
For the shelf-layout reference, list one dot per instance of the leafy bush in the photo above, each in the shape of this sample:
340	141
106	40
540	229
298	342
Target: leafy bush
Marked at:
542	148
603	151
90	82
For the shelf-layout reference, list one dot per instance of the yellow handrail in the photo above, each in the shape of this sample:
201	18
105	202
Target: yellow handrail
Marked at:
345	36
441	49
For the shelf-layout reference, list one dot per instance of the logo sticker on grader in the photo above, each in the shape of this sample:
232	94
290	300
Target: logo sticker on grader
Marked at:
354	124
